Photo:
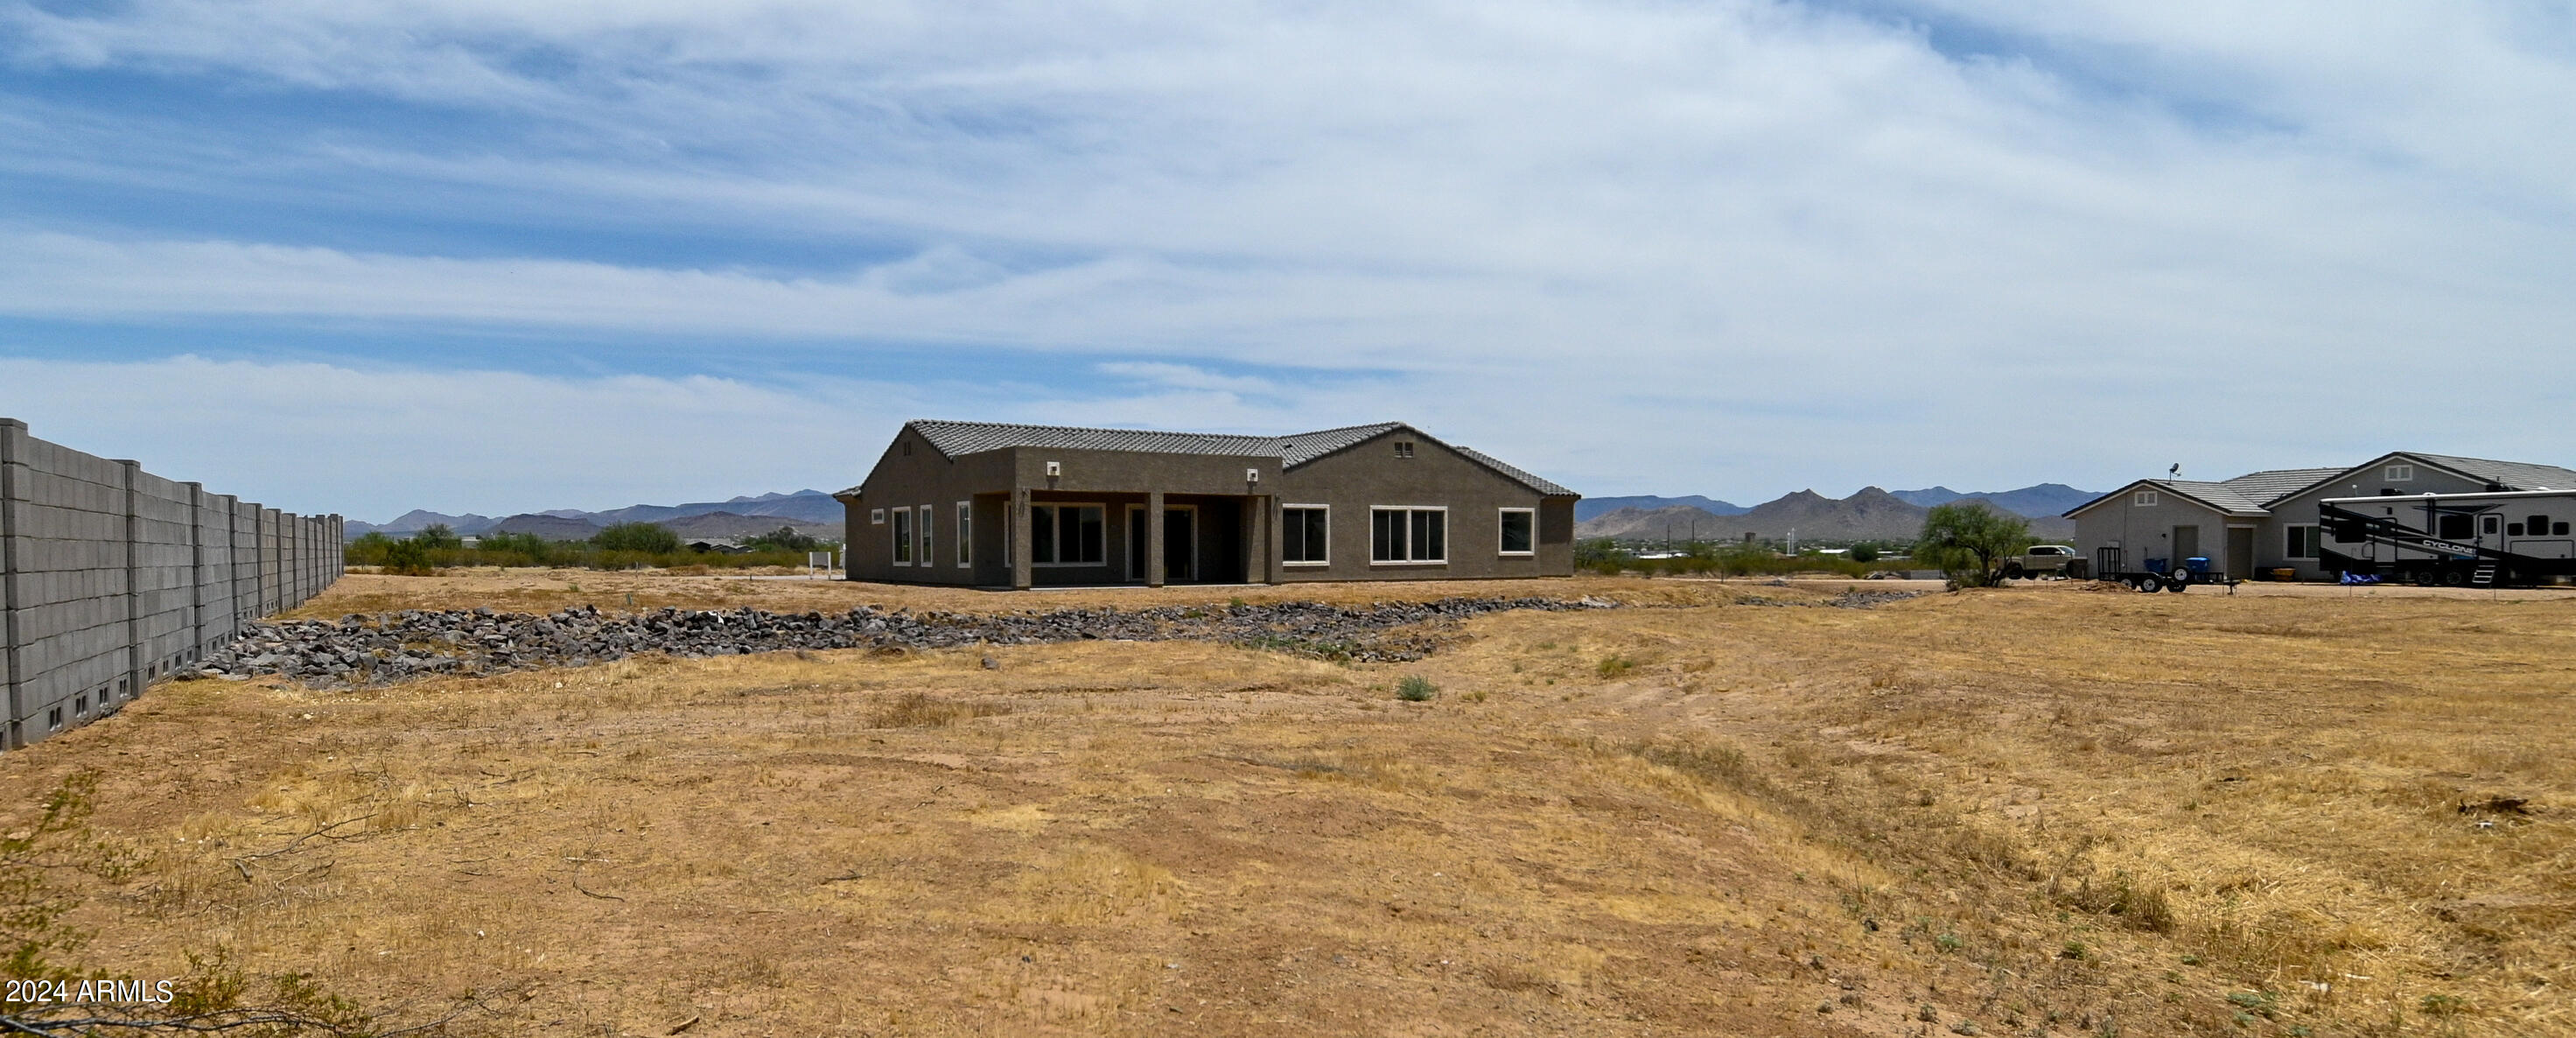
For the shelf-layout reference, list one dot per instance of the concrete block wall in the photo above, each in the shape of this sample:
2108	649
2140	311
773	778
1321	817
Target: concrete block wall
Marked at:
112	578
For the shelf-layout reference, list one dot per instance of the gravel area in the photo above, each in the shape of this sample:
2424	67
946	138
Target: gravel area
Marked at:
391	647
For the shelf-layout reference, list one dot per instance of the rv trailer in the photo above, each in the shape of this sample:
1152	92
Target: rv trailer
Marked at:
2458	540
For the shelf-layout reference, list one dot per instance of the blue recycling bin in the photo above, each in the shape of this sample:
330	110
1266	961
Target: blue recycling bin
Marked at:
2156	566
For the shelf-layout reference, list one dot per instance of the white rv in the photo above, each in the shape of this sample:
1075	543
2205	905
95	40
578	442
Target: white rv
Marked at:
2508	537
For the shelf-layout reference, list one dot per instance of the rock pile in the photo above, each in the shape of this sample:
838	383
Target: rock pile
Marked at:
367	650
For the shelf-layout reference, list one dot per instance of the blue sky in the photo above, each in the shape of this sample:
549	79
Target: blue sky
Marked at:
362	257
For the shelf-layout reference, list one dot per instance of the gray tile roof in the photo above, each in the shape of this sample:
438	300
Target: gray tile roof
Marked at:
956	439
2223	496
2272	485
1527	480
2518	475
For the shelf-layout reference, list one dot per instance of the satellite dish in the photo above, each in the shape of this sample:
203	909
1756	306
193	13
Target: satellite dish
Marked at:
2175	472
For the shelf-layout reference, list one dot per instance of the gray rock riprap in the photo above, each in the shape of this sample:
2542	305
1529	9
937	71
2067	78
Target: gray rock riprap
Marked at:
368	650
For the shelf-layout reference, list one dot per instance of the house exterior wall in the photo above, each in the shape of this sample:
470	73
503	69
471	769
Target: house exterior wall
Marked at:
1238	515
2144	532
2272	541
1368	474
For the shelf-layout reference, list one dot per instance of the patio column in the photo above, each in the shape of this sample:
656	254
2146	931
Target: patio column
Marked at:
1153	538
1019	534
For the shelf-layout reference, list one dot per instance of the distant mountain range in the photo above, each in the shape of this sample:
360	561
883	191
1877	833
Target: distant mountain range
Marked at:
810	511
1598	506
1870	515
2044	500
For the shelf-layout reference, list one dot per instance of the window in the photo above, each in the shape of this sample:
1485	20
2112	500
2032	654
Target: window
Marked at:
1520	529
2491	525
2400	473
928	557
2513	529
2145	499
54	718
2303	542
1305	535
902	537
1066	535
965	534
1408	535
80	704
876	517
2451	527
1404	448
2539	525
2558	529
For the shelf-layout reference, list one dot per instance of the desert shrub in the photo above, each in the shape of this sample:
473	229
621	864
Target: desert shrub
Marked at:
1613	665
1601	555
1863	552
643	538
784	538
436	536
517	549
1416	689
407	558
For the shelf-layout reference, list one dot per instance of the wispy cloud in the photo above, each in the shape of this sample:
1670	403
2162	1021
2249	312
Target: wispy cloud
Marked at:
1737	247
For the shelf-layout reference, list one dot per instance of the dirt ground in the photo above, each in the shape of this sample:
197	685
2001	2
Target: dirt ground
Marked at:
2041	810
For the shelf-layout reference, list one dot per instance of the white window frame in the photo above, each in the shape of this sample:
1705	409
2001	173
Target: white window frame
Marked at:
876	517
2399	473
2312	540
1059	548
901	535
2145	499
929	544
965	535
1327	560
1446	535
1532	513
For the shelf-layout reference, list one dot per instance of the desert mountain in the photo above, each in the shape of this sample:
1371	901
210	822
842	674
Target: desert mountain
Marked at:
1870	515
1592	507
550	527
808	510
2038	501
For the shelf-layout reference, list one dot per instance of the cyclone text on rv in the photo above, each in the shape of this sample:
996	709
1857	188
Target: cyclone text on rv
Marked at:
2482	540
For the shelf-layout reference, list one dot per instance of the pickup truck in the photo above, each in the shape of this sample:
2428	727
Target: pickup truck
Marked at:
2045	560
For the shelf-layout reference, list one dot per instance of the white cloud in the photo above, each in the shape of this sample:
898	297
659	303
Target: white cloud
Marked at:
1734	247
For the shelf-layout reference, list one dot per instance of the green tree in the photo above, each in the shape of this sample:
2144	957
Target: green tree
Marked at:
1968	540
1864	552
437	535
644	537
784	538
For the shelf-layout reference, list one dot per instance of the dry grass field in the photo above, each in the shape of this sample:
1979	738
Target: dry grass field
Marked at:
2033	811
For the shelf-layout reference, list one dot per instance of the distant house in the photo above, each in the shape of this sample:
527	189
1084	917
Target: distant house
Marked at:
985	504
2264	521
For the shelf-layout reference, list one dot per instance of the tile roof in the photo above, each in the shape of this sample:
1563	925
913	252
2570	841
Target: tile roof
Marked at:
2519	475
2272	485
2225	497
961	438
1533	482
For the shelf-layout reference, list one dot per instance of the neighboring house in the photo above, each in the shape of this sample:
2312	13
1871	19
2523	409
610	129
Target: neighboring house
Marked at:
985	504
2265	521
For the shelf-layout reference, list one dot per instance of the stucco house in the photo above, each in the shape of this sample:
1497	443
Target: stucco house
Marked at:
2266	521
994	505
